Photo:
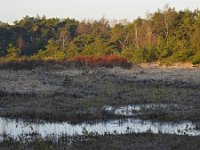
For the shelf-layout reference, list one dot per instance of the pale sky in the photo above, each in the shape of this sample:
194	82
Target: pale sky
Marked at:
11	10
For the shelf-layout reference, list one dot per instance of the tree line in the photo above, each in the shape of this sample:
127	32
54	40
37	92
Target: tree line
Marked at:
166	36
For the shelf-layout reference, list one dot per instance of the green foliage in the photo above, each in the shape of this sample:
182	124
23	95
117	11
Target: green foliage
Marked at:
72	50
196	59
128	52
52	51
140	55
97	48
83	40
13	52
119	36
167	36
1	51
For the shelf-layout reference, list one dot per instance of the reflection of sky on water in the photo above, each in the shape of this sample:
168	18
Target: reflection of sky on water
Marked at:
14	128
132	110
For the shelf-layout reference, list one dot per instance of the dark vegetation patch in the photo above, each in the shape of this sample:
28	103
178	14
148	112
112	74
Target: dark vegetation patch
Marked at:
4	93
29	64
106	142
109	61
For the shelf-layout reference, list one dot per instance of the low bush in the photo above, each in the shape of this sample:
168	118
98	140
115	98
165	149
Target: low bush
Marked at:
101	61
109	61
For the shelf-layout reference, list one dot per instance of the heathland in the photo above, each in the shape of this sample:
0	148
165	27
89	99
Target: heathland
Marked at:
94	73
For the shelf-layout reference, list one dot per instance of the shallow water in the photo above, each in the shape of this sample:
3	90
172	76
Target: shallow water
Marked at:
132	110
17	128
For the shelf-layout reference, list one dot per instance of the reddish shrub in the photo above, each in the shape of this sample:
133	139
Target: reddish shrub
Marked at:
102	61
80	62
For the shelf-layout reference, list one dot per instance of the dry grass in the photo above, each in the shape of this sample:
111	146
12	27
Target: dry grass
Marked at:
42	91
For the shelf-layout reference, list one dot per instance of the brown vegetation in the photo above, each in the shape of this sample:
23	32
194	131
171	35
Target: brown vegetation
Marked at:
109	61
102	61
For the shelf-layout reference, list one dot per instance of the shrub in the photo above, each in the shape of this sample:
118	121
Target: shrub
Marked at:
67	81
196	60
81	61
101	61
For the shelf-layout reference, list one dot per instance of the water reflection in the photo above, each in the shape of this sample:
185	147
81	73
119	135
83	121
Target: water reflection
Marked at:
132	110
14	128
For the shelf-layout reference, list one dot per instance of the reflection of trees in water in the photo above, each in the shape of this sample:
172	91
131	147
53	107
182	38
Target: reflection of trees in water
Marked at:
54	129
15	128
37	128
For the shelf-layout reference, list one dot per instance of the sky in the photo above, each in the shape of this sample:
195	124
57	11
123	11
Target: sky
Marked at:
11	10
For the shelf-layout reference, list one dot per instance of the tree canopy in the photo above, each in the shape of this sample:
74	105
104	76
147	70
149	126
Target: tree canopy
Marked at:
166	35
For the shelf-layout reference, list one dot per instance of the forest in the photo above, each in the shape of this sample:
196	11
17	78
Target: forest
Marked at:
165	36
